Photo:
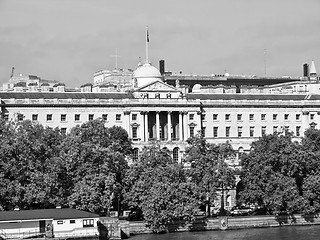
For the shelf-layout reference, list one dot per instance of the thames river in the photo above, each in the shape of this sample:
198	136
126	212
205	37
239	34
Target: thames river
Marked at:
277	233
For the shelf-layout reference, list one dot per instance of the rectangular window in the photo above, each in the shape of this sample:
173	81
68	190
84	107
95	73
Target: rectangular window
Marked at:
239	117
286	117
215	117
77	117
191	116
134	132
227	131
203	131
251	117
297	117
286	129
20	117
274	117
105	117
87	222
227	117
251	131
6	117
239	131
203	117
263	130
275	129
191	131
298	128
90	117
59	222
49	117
118	117
215	131
63	131
263	116
72	221
63	117
134	117
34	117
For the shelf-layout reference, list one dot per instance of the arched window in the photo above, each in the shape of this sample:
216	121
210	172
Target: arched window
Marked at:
228	201
135	154
176	154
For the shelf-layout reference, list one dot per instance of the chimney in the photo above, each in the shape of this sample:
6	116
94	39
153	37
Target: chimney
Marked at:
306	70
161	67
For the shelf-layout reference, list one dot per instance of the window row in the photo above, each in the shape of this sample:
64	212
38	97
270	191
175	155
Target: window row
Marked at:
252	131
263	116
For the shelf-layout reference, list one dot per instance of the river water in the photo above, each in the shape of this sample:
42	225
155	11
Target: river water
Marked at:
276	233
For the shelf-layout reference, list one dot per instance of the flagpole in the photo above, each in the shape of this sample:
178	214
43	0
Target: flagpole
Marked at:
147	45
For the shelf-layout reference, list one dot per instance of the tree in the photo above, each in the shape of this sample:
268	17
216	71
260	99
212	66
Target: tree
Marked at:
209	170
273	173
160	188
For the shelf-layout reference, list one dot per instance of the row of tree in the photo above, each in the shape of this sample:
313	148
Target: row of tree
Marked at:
88	169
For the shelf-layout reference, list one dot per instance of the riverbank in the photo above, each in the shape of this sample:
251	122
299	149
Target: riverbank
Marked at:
224	223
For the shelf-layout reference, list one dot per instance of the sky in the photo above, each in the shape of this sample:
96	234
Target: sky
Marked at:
69	40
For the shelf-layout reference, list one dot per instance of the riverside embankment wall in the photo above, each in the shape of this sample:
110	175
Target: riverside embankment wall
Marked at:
224	223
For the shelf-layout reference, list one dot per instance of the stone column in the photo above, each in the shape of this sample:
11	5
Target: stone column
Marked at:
199	116
180	126
185	126
141	126
146	130
305	120
169	126
158	125
127	121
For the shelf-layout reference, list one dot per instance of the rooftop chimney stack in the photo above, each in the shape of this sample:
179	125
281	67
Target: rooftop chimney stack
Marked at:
306	70
161	67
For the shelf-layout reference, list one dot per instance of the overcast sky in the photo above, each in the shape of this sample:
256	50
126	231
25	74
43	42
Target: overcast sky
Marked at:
69	40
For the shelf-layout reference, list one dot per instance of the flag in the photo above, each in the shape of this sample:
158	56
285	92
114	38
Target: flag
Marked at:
147	35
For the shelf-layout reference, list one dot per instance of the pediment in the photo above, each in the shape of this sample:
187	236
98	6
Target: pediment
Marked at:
157	86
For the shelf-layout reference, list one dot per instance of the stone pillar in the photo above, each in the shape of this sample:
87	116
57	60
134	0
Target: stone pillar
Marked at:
199	116
158	125
169	126
127	121
141	127
180	126
146	130
305	120
185	126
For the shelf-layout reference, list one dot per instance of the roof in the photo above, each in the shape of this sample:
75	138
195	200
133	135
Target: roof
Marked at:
63	95
210	96
56	213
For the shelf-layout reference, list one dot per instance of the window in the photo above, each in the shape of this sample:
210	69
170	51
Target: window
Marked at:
59	222
6	117
239	131
239	117
105	117
203	131
286	129
286	117
298	128
191	131
134	132
298	117
49	117
263	117
227	117
118	117
227	131
215	131
312	116
274	117
134	117
263	130
175	154
34	117
203	117
63	117
191	116
251	117
20	117
251	131
87	222
215	117
275	129
63	131
90	117
72	221
135	154
77	117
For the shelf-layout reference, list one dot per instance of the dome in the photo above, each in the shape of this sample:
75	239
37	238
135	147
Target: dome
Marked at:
146	71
